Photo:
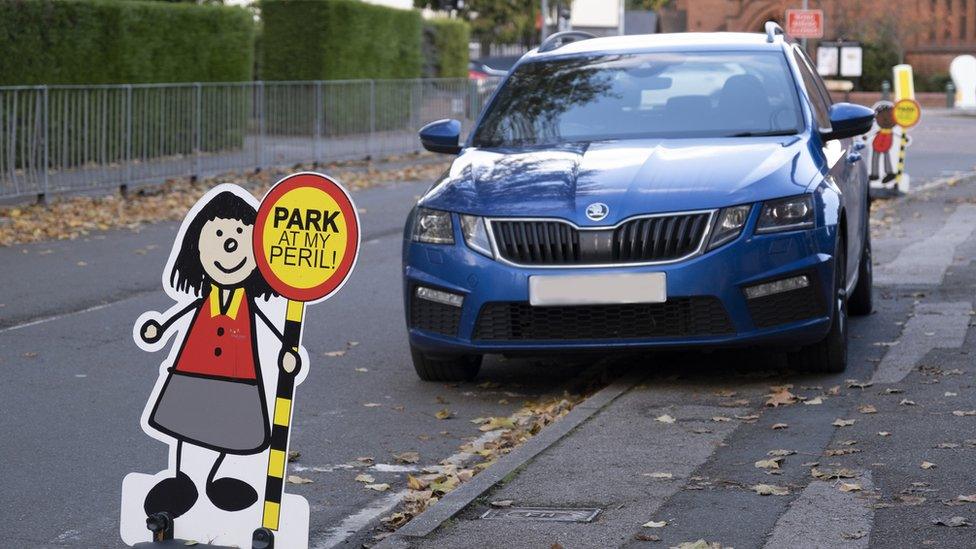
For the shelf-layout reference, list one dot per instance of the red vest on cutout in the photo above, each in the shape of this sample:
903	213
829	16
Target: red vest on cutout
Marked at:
219	344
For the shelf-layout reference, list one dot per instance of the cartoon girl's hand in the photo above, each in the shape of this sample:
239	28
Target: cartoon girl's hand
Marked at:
151	331
289	361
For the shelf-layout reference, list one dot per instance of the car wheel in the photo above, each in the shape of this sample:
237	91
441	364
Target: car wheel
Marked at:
445	367
830	354
861	301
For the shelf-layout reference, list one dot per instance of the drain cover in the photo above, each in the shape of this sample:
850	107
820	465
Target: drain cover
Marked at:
545	514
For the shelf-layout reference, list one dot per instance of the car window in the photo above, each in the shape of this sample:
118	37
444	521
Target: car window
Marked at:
619	96
819	97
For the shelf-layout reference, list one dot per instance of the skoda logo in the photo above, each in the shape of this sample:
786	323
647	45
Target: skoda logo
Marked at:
597	211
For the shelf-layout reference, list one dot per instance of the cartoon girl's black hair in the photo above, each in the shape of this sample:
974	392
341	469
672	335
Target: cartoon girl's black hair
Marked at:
188	274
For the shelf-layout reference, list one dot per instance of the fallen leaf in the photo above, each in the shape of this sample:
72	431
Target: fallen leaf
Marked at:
502	503
834	391
366	460
947	445
831	474
443	414
770	490
780	452
853	535
841	452
700	544
415	483
720	419
378	487
962	413
952	522
372	404
842	422
867	409
884	434
850	487
967	499
910	500
646	537
813	401
497	423
906	402
777	426
780	396
665	418
855	384
655	524
407	457
293	456
950	394
363	477
749	417
769	463
927	465
295	479
362	369
335	353
893	391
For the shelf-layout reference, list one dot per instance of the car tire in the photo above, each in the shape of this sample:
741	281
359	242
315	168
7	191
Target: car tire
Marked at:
861	301
830	354
445	367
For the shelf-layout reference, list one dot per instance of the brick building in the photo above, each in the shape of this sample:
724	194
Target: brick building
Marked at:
929	32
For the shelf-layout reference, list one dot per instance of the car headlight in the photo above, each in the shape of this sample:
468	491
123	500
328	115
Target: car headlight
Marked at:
433	226
729	225
786	214
475	234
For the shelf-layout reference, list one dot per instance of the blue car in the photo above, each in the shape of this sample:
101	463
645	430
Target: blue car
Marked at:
644	192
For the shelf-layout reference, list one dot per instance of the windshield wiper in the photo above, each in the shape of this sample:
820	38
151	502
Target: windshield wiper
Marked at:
762	134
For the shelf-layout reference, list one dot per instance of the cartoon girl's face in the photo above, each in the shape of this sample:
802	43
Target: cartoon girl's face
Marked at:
225	251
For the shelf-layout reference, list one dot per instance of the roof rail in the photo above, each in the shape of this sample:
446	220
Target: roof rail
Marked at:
772	29
560	39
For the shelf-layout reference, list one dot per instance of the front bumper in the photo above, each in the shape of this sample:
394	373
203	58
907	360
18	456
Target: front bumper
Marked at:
708	290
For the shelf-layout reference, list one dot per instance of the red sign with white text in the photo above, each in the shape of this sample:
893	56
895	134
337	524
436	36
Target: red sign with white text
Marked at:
805	23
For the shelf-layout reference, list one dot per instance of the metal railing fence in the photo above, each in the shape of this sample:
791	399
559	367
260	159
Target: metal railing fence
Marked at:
56	139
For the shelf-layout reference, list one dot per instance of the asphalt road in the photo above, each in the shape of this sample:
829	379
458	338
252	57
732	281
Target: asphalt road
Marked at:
74	384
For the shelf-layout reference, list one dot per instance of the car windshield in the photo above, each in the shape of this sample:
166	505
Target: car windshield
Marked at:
643	95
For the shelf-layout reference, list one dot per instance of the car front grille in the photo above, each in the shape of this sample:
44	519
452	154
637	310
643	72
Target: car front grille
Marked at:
639	240
678	317
785	307
432	316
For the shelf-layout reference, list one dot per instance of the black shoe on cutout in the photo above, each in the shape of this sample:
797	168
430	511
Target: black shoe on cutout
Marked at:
174	495
230	494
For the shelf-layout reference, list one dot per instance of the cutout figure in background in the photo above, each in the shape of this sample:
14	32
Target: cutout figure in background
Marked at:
883	140
213	395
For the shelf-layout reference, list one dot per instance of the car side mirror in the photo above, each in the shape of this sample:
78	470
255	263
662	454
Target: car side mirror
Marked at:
848	120
442	136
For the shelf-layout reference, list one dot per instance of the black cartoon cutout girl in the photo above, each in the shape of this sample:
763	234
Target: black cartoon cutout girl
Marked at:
213	395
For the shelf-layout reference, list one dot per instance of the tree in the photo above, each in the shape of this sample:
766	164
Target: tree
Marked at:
501	21
652	5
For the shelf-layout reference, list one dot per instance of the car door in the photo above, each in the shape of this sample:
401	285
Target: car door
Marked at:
844	163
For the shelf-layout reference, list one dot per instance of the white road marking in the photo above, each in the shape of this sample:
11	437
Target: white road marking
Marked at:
823	517
358	520
355	522
926	261
56	317
946	322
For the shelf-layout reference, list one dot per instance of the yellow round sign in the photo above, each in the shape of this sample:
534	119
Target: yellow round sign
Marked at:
306	237
907	113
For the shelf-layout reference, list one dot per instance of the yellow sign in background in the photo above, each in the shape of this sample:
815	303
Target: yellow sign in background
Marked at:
304	244
907	113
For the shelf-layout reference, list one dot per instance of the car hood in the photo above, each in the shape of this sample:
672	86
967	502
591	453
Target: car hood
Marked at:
631	177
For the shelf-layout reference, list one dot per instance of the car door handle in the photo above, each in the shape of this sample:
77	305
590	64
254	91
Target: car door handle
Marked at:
859	145
853	157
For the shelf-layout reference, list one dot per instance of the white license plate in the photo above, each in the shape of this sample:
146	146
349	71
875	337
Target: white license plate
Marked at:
600	289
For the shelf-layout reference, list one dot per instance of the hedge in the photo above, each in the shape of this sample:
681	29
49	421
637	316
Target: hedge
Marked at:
446	48
113	42
338	40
